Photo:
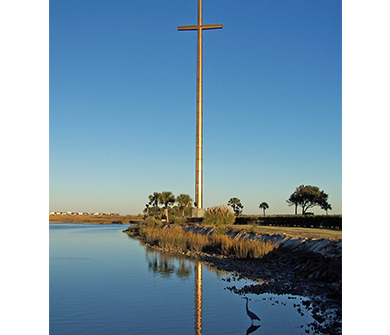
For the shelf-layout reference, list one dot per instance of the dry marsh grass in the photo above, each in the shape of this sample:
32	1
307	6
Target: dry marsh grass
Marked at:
177	239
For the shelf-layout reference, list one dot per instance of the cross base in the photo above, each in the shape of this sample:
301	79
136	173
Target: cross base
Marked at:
198	212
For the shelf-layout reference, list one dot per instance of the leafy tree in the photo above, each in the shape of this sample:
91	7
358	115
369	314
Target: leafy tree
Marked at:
263	206
307	197
184	201
236	204
167	199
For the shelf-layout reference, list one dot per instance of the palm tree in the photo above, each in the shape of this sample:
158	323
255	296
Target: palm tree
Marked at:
184	201
146	211
236	204
263	206
154	201
325	206
167	199
294	200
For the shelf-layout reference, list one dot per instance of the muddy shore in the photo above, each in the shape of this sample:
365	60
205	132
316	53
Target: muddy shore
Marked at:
304	267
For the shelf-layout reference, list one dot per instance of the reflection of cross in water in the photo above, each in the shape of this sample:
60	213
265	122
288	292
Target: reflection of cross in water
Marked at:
198	298
198	302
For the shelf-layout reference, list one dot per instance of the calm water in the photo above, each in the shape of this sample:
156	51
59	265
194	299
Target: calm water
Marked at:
104	282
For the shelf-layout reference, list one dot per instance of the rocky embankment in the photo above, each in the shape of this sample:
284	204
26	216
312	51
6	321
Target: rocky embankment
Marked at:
314	259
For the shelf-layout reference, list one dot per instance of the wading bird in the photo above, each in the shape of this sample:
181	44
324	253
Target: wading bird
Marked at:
252	315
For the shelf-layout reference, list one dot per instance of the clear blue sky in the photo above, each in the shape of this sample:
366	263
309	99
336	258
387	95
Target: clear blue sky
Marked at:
123	95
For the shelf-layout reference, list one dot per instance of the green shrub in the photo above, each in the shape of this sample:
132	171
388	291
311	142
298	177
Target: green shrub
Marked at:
153	222
133	229
180	221
219	216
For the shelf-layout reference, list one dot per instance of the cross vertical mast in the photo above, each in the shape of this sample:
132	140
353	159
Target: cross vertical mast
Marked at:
199	103
199	114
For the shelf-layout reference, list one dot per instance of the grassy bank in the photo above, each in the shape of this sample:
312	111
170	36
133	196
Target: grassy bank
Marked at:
174	238
299	232
303	221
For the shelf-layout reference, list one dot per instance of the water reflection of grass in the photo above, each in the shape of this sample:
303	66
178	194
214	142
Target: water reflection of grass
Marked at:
167	265
176	239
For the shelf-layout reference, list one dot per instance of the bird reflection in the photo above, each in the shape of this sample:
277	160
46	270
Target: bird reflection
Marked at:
252	328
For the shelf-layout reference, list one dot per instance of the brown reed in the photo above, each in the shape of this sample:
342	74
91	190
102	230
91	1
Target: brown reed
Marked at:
176	238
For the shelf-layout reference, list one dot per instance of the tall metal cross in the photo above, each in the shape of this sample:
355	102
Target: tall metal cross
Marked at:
199	104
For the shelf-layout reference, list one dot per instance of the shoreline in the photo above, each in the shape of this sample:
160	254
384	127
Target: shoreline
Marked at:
95	219
285	271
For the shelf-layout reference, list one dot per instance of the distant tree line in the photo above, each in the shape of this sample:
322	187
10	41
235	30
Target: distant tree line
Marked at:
162	205
304	196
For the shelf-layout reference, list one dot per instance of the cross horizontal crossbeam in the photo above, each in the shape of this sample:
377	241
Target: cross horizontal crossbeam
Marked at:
203	27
